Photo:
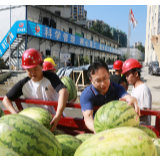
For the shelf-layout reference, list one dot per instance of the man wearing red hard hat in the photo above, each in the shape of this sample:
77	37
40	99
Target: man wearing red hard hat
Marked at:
38	85
132	68
117	77
48	66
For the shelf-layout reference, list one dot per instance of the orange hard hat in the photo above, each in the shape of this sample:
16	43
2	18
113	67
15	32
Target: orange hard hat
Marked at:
117	65
31	58
48	66
130	64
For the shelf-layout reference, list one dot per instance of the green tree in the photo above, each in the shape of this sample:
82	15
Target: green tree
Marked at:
102	28
141	48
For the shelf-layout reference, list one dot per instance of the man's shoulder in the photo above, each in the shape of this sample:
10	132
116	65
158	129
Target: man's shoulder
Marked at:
87	92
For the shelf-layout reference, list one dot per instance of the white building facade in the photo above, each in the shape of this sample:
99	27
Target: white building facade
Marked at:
134	53
152	28
60	47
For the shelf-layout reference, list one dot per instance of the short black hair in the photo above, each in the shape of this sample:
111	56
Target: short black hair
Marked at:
136	70
95	66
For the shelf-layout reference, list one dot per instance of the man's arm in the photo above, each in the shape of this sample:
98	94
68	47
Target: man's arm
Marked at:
62	100
88	119
8	104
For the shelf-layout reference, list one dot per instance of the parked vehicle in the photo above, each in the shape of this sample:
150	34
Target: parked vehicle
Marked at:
154	68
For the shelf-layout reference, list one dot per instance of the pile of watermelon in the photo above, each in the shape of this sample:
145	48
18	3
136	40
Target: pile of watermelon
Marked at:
118	133
71	88
116	123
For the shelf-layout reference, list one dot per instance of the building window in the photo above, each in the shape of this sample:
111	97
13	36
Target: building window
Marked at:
82	34
91	38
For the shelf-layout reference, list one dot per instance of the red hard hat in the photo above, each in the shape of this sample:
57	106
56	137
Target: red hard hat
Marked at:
48	66
130	64
117	65
31	58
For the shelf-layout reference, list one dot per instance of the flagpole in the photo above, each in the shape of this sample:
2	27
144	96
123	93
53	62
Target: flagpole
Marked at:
129	35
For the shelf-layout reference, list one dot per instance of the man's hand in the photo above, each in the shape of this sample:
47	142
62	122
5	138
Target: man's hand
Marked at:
54	122
62	100
131	101
9	106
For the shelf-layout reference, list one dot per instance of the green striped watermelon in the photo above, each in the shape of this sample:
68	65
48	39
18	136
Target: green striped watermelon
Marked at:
1	112
39	114
120	141
156	142
7	152
27	137
115	114
148	131
71	88
68	143
58	132
84	136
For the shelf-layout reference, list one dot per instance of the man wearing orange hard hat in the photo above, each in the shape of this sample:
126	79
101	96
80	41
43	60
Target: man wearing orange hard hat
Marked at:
132	69
38	85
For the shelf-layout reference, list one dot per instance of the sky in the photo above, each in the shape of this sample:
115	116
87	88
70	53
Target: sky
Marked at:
117	15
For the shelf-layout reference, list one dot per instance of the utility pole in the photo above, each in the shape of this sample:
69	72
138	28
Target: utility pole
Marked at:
9	43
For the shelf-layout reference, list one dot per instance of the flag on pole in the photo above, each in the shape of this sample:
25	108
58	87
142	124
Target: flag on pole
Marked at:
132	19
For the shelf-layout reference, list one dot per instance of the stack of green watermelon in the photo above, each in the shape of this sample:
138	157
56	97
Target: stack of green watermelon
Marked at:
27	137
120	141
156	142
68	143
148	131
115	114
7	152
39	114
84	136
71	88
1	112
118	133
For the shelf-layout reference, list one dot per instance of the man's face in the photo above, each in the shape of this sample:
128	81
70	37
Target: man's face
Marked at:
101	80
131	77
35	73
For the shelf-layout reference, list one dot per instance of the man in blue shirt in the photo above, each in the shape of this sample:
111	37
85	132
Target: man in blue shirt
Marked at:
101	91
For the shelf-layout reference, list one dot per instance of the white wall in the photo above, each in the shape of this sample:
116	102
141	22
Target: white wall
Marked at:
16	14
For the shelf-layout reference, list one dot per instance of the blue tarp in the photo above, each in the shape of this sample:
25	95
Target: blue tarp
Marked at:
66	71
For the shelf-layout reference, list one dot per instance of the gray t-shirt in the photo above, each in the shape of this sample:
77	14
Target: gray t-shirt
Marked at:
144	98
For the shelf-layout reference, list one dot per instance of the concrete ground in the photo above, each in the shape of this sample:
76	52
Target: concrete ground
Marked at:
153	82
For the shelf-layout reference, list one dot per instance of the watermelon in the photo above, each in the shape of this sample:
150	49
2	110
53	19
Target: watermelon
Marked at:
68	143
115	114
39	114
1	112
148	131
7	152
120	141
156	142
27	137
71	88
84	136
58	132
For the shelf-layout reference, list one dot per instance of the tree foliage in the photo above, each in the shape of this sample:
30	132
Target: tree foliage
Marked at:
102	28
141	48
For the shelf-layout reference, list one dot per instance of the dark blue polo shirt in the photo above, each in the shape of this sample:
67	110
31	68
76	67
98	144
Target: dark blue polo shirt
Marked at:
90	96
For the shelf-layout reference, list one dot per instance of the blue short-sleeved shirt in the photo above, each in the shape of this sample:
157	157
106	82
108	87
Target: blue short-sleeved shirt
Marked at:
90	96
